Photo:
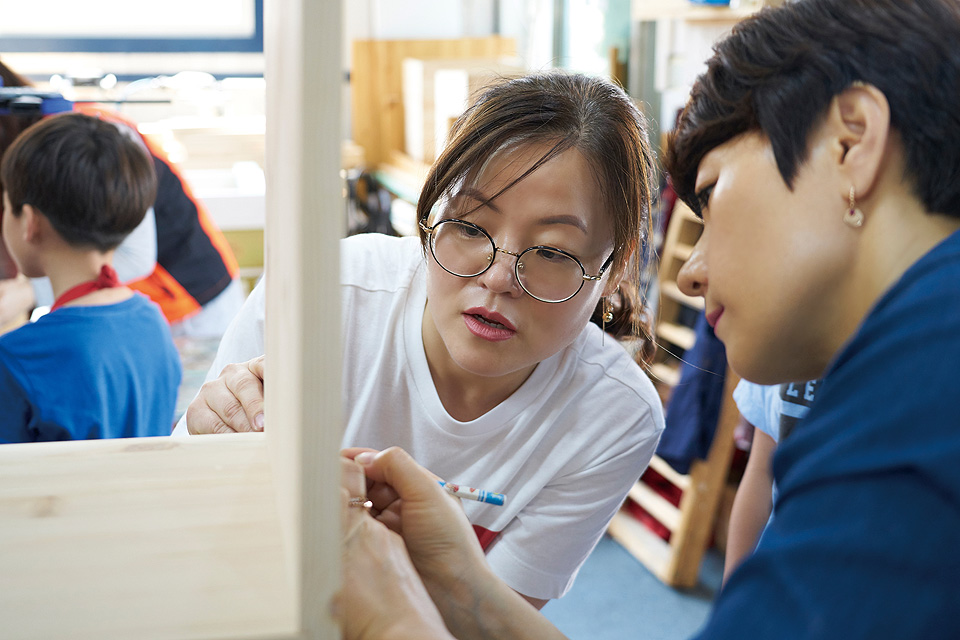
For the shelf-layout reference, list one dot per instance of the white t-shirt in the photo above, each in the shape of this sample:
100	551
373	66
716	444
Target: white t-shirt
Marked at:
565	448
774	409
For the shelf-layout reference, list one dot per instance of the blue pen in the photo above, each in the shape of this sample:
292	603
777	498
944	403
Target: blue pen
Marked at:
470	493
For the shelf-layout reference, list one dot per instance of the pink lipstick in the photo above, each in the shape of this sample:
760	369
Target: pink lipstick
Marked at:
488	325
714	316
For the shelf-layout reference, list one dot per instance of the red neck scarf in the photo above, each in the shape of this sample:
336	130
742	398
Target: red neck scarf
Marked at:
106	280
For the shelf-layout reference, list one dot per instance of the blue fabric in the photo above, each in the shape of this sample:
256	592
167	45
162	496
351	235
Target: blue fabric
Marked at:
90	372
694	406
865	539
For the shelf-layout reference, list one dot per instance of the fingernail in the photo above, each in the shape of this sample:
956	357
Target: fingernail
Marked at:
258	422
364	458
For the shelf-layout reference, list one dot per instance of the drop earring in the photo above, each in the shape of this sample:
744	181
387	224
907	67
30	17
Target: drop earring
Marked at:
606	316
853	217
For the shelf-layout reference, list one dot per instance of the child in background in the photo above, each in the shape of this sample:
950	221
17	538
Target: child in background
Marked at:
177	256
773	411
102	363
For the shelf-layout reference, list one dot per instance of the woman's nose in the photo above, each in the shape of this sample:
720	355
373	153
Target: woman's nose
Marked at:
692	278
501	277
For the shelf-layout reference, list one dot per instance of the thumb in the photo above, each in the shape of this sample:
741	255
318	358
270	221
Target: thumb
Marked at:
397	468
256	366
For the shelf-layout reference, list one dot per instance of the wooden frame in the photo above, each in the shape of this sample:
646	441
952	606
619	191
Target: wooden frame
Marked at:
217	536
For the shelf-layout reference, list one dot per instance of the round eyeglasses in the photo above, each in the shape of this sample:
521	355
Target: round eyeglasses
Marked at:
547	274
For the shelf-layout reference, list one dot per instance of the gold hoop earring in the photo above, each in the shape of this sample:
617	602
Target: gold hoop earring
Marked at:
853	217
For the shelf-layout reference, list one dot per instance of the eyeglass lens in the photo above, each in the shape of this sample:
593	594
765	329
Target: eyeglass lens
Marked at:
465	250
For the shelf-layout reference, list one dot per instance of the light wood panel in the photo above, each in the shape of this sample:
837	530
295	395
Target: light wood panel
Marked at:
305	222
143	538
376	84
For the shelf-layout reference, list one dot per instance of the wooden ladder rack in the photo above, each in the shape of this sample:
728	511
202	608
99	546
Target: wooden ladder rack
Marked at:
677	561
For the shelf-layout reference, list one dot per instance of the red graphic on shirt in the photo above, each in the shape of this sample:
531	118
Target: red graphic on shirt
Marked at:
485	536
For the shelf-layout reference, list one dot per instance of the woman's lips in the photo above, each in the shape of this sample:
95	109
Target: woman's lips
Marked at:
714	316
488	325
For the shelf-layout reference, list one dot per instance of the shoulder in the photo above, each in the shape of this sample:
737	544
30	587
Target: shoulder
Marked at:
378	262
613	377
885	405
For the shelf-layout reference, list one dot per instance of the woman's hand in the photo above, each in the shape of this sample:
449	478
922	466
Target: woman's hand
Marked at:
445	551
231	403
386	502
382	595
438	537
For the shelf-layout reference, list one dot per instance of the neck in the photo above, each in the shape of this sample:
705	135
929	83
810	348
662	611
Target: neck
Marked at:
898	233
69	268
465	395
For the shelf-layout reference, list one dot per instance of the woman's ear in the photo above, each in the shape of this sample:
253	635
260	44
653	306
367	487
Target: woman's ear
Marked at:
859	121
617	273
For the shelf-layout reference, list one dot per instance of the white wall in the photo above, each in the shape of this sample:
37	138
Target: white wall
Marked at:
529	21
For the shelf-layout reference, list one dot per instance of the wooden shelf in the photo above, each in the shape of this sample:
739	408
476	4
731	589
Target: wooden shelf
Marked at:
683	251
690	524
676	478
656	505
664	373
642	543
671	290
681	336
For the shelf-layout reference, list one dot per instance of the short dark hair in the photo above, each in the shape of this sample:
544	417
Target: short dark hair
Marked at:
91	181
778	71
567	110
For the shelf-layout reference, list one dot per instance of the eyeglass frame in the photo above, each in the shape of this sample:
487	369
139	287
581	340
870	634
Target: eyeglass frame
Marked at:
585	277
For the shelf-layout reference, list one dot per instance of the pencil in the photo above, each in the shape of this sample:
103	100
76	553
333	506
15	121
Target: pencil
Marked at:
474	494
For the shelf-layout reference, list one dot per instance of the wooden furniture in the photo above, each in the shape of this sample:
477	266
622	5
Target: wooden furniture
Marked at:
677	561
437	92
674	334
691	524
226	536
376	84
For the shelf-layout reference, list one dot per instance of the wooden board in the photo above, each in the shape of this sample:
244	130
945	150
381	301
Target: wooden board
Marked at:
376	84
141	538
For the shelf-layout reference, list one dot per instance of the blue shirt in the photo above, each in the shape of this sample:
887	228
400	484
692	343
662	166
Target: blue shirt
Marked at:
108	371
866	542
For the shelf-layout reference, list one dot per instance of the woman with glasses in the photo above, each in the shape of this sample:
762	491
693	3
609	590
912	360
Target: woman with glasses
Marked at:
472	346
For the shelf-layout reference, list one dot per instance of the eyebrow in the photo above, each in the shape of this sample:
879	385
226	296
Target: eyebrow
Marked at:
570	220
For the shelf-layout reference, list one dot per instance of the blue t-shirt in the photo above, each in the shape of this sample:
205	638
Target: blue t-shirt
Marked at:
107	371
865	542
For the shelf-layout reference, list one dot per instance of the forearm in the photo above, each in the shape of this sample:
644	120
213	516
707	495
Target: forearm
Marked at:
747	519
481	606
752	505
